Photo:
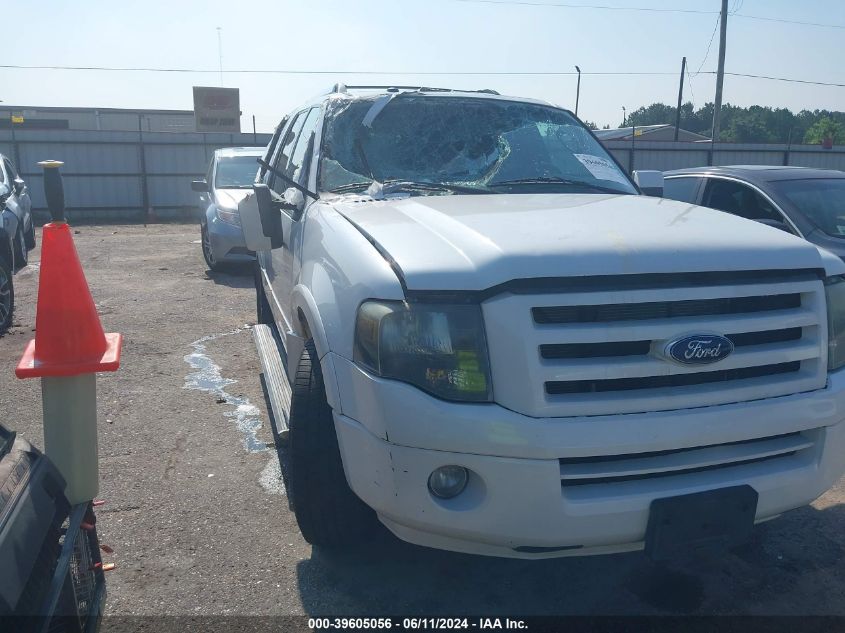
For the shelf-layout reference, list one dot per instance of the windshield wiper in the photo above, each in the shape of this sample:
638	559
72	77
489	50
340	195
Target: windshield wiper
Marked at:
391	186
551	180
420	185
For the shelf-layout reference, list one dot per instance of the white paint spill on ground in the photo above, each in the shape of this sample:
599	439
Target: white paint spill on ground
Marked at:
247	417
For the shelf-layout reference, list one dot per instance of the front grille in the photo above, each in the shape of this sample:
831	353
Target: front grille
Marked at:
663	309
605	469
552	354
678	380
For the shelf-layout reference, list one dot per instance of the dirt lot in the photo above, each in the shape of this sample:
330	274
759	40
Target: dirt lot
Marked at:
199	522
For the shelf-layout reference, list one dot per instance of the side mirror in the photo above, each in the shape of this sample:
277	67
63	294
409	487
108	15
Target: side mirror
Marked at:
200	186
19	185
650	182
269	214
295	202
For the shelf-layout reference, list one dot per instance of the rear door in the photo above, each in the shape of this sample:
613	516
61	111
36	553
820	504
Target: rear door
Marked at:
682	188
746	201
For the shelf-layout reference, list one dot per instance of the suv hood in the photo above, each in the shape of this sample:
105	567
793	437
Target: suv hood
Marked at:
474	242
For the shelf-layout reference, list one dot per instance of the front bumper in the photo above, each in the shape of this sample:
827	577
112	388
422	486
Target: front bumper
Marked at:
227	241
515	505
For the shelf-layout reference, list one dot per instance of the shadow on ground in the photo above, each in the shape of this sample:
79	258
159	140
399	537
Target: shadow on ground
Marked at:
388	576
233	276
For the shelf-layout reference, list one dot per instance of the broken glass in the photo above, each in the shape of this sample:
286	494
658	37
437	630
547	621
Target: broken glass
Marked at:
485	145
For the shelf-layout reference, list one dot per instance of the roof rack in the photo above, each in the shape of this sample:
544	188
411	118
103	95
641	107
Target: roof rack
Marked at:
394	88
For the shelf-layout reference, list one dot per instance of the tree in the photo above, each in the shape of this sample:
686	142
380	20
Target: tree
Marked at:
591	125
825	128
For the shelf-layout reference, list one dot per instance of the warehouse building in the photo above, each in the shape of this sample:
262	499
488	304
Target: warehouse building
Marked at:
105	119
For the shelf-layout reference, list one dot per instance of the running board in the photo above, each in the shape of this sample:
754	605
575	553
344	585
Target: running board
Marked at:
275	378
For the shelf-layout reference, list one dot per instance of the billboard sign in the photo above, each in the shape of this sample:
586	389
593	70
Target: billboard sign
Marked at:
217	109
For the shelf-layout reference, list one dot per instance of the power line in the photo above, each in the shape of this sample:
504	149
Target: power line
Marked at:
709	44
605	7
784	21
322	72
602	7
428	73
786	79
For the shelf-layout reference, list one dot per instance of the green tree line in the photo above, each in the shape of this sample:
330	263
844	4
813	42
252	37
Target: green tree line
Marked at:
755	124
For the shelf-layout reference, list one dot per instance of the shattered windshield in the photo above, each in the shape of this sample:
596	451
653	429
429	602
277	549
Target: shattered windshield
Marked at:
436	145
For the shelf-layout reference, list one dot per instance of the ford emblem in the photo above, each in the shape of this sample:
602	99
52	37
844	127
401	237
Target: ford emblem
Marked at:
699	349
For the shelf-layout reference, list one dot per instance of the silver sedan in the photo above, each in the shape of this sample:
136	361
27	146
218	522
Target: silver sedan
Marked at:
230	176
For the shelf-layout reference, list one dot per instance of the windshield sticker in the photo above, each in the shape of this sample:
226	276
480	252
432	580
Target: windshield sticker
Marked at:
601	168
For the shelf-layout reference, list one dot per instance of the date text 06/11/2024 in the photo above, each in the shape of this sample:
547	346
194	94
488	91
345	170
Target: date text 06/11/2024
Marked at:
414	624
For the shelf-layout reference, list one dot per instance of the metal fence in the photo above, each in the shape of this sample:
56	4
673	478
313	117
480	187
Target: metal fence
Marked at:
664	156
131	176
120	176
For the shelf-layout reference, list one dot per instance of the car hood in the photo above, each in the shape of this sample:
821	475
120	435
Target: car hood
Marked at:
230	198
474	242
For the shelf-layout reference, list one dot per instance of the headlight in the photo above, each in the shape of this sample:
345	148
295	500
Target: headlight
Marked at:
229	216
439	348
835	291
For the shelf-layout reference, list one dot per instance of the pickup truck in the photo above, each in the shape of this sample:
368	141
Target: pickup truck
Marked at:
497	344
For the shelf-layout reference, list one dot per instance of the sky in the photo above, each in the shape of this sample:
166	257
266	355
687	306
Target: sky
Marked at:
340	38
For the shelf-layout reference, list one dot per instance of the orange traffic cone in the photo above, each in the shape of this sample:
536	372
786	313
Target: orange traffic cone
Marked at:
69	338
68	350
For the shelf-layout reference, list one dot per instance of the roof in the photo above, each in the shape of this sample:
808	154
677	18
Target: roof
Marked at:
239	151
761	173
16	108
371	92
643	130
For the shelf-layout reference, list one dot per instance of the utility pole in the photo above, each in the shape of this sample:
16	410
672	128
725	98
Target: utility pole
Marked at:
680	98
720	75
220	53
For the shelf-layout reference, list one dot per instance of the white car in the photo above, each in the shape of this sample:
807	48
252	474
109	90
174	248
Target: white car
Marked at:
498	345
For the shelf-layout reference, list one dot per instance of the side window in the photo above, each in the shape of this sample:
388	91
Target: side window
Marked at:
209	174
683	188
283	152
739	199
296	168
271	147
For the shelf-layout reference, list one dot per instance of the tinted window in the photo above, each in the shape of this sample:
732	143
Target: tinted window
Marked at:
739	199
295	165
283	152
236	172
486	144
822	201
683	189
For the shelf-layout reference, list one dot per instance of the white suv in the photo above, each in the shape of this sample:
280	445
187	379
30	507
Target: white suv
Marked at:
496	344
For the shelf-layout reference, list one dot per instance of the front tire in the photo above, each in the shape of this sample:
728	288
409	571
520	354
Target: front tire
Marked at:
21	251
7	296
207	251
30	236
329	514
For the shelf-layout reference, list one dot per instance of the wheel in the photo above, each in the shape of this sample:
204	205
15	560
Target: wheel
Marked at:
21	251
327	511
7	296
207	253
30	236
262	307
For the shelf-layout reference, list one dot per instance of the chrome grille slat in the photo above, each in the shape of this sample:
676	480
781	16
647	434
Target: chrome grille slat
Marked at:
617	468
619	365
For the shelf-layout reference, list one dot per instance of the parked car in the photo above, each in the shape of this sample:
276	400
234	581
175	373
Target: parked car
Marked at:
7	289
497	345
15	207
230	175
809	203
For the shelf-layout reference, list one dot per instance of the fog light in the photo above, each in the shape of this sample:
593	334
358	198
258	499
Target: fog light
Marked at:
448	481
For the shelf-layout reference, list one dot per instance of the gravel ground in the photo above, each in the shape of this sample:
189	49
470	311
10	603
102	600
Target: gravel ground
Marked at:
199	521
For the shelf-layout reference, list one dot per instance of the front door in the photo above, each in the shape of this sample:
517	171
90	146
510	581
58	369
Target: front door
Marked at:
289	159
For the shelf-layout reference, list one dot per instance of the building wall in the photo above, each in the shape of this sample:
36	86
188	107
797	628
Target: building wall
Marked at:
120	176
108	120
